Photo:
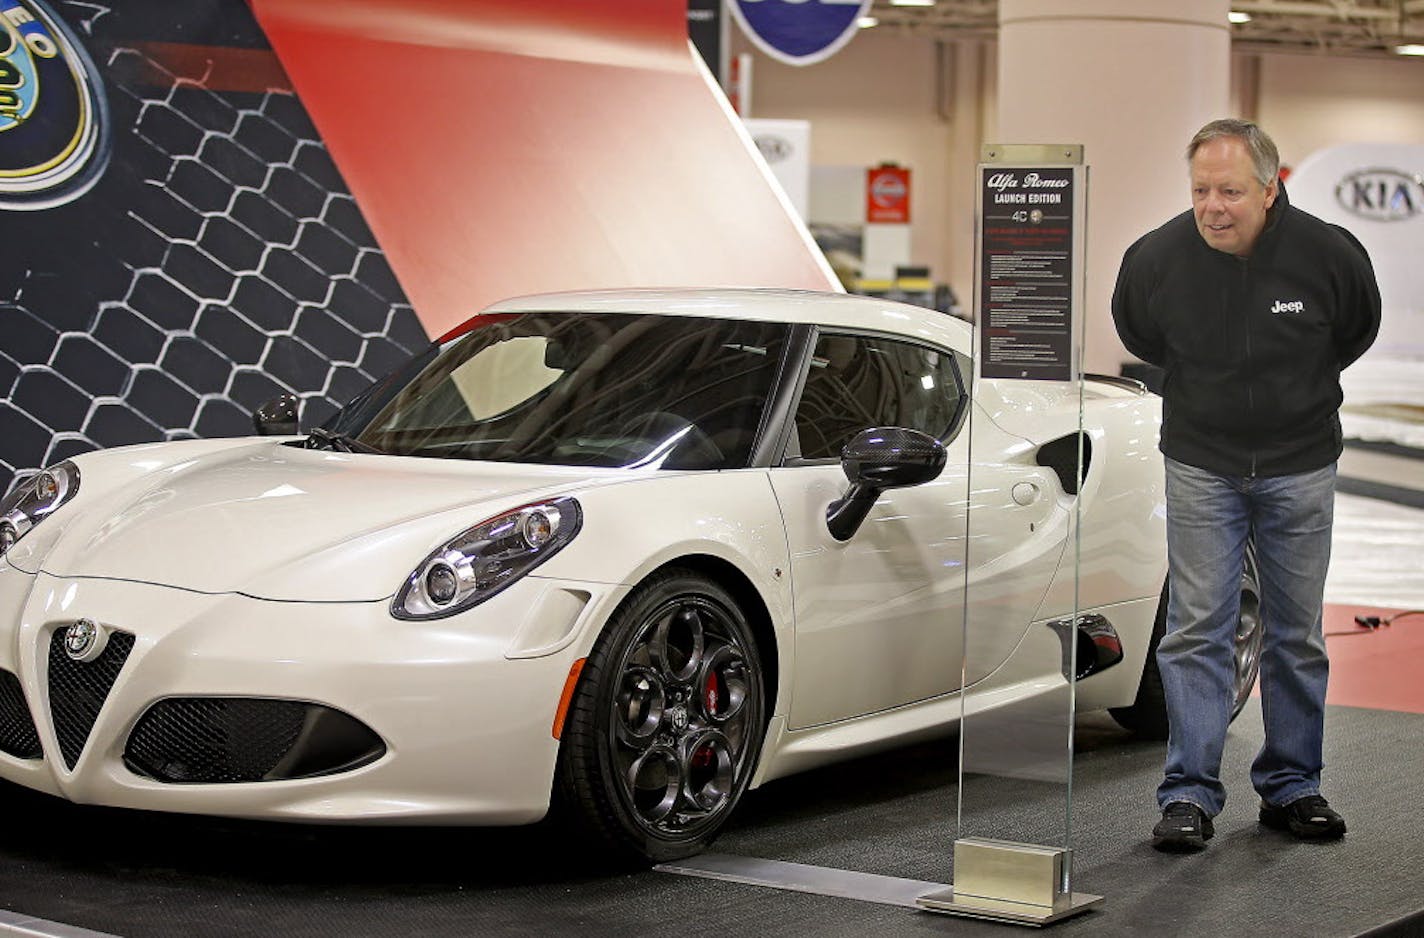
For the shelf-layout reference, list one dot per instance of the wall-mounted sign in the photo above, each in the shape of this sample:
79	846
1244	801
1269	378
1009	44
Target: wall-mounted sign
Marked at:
54	127
1030	271
1373	190
799	32
1381	194
887	195
786	147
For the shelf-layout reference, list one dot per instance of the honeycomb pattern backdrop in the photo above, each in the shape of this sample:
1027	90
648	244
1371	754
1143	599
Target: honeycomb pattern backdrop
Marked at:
219	261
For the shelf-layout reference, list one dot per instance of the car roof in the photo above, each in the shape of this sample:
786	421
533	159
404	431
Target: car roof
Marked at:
839	310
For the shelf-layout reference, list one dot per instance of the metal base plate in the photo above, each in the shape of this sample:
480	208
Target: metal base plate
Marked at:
1017	913
799	877
869	887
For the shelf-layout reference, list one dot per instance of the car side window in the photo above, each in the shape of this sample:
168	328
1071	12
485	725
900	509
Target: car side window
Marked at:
858	381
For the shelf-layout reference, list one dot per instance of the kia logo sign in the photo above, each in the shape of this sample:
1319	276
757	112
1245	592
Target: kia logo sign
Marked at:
774	149
799	32
1381	194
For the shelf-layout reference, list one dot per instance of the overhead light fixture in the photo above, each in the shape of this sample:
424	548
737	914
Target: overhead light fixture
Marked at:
1236	16
1409	50
912	3
865	22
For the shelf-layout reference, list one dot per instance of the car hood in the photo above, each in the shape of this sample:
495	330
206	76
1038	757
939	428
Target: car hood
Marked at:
278	522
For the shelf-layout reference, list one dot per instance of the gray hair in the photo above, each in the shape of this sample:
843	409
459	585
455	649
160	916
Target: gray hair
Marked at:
1264	157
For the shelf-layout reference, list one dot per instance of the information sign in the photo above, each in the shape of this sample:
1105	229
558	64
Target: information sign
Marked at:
1027	272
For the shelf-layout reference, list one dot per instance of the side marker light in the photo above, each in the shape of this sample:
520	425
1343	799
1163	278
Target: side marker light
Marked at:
566	697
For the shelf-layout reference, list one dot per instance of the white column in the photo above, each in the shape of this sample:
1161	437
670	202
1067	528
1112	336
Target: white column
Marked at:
1131	80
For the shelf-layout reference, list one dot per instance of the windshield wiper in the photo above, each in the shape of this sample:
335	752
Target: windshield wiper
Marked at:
322	438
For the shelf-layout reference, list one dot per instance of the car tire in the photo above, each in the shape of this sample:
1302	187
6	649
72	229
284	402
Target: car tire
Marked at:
1147	717
1250	633
666	723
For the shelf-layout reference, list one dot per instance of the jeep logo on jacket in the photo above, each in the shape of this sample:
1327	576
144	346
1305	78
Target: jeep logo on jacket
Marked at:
1251	348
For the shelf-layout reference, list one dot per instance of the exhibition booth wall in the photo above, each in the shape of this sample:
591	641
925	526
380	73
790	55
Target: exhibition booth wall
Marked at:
534	147
217	260
234	226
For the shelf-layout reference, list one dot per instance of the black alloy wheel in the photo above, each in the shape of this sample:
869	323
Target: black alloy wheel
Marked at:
1147	716
667	721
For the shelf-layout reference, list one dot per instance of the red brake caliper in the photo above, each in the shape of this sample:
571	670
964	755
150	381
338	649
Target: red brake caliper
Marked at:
711	694
705	756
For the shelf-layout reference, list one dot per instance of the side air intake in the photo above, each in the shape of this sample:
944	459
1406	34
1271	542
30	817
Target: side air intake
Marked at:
1061	455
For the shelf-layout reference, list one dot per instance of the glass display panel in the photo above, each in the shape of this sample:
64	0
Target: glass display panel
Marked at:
1023	634
1026	641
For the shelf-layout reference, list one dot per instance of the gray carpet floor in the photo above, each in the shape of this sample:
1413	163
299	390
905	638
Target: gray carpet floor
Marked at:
139	875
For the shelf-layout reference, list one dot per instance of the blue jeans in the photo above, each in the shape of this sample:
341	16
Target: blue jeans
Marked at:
1209	519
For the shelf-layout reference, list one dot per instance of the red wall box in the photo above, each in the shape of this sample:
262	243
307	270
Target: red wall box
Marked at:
887	195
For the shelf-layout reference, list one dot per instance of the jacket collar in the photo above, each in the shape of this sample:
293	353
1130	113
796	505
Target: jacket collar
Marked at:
1275	213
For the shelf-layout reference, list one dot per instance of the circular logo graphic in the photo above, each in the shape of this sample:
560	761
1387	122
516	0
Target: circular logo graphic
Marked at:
799	32
1381	194
54	127
773	149
887	190
83	641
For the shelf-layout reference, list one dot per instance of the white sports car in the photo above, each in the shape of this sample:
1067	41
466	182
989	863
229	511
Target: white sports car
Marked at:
626	554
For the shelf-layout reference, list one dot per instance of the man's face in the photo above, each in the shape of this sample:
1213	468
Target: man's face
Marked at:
1228	202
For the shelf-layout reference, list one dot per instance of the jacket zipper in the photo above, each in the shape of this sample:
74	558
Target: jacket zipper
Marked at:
1250	388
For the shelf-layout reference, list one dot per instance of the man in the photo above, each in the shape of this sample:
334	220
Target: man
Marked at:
1251	307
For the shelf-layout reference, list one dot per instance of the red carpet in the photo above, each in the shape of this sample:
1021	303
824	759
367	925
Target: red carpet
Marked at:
1381	668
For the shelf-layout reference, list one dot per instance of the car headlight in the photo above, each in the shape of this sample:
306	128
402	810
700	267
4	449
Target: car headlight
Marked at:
482	560
32	501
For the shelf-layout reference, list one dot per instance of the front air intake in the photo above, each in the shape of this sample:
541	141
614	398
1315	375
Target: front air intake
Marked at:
77	689
17	729
218	740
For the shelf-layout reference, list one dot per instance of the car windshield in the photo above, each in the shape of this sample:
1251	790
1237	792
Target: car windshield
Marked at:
582	389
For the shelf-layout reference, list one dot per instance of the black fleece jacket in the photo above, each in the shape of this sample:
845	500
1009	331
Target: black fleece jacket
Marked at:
1252	348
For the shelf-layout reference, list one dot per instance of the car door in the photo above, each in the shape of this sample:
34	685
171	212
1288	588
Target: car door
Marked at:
879	616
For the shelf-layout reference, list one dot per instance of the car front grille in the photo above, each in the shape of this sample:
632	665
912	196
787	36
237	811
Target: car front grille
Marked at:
18	737
243	739
77	689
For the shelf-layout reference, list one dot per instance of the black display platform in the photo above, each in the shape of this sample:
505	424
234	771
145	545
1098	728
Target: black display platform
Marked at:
139	875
